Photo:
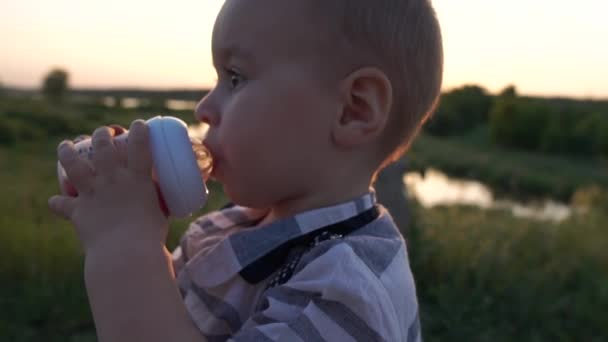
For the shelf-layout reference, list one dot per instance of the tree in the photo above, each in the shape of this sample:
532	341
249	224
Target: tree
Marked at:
509	91
501	117
591	134
460	110
55	85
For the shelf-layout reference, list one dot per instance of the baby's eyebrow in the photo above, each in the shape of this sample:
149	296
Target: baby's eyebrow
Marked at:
227	53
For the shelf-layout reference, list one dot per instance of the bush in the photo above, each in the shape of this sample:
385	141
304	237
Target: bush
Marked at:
26	119
591	133
44	124
558	136
501	121
8	132
459	111
555	126
520	123
591	198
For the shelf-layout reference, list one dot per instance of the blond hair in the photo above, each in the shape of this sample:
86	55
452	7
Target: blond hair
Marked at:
403	39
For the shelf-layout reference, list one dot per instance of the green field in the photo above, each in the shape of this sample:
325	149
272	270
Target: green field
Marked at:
481	275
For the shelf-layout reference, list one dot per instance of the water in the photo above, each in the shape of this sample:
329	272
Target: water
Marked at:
109	101
180	104
132	102
436	188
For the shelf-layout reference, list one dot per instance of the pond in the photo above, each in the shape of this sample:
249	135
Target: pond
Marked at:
436	188
132	102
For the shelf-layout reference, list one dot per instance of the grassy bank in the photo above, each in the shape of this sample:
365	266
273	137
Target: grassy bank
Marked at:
517	173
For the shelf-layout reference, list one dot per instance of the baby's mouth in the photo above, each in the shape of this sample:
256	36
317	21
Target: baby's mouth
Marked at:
203	157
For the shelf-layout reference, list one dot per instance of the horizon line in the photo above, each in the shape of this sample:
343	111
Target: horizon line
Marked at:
207	89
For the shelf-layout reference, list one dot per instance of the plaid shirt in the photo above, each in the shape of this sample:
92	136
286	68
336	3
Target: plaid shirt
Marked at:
339	273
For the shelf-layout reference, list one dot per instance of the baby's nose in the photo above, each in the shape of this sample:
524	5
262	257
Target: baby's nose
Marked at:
204	112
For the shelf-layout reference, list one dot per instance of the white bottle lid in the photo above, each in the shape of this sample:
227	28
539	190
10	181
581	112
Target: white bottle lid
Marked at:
179	176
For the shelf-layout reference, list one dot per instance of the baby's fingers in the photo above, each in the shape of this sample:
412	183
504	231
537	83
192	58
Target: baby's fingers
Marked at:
81	138
118	129
62	206
105	158
140	159
79	172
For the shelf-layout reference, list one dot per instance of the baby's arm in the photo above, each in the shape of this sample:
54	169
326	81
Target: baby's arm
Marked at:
118	220
134	296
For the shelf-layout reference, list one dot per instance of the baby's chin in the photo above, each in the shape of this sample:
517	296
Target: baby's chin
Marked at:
247	197
242	198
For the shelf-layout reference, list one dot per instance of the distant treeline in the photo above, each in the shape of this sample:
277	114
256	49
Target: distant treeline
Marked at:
24	116
547	125
177	94
544	125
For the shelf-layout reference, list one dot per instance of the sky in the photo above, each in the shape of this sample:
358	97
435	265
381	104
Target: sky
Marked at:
543	47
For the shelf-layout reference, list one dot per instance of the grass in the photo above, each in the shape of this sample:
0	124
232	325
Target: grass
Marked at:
481	275
39	268
487	276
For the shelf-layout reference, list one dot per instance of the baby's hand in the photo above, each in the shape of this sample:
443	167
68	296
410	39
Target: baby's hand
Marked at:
117	202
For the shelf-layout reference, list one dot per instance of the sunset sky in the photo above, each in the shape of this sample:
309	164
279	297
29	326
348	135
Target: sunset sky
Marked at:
544	47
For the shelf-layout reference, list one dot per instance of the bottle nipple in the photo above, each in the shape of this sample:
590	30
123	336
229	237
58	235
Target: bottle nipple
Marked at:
203	157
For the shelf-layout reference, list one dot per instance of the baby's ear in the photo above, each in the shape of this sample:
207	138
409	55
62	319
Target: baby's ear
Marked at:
367	97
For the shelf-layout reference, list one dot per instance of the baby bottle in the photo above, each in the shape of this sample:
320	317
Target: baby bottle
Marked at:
181	164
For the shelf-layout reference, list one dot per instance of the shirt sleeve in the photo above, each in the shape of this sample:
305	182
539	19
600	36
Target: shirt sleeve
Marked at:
333	297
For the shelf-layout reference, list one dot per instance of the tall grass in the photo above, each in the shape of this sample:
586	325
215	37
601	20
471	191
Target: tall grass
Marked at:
487	276
481	275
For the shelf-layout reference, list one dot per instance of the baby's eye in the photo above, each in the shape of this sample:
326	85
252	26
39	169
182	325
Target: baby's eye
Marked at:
235	78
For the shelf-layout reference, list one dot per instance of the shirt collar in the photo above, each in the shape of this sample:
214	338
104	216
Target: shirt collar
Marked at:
256	252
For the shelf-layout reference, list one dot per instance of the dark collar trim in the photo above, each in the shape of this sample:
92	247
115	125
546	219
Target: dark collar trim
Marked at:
263	267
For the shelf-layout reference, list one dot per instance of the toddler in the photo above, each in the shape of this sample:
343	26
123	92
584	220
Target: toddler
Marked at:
313	99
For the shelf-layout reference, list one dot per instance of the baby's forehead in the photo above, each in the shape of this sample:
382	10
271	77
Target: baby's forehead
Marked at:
247	28
255	14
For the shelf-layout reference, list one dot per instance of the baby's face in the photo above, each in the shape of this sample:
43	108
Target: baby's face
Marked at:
270	112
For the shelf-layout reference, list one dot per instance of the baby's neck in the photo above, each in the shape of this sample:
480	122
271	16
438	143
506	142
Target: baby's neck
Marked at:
298	204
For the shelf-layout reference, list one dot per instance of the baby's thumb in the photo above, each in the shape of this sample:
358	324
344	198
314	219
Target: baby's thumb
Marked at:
62	206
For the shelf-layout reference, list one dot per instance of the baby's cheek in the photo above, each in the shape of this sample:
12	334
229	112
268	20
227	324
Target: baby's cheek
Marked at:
244	146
